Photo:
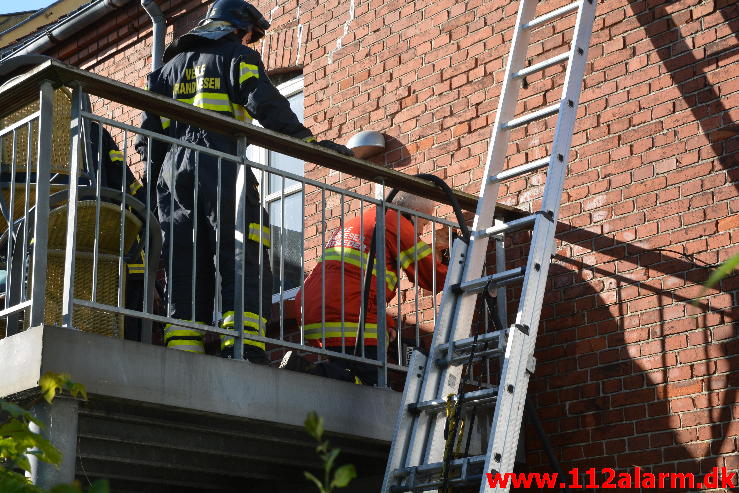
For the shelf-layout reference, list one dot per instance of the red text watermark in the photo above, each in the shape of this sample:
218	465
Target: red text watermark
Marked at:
717	478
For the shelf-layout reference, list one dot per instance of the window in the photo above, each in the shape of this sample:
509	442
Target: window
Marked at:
283	199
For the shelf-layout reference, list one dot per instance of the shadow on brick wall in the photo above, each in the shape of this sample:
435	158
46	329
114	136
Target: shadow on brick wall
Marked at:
630	373
689	72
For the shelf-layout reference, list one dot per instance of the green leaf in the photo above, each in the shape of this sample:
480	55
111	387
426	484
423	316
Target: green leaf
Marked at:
11	482
15	411
329	459
314	425
723	270
51	382
315	480
77	390
343	476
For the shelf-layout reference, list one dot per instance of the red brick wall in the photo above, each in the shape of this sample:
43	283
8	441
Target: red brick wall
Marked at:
629	372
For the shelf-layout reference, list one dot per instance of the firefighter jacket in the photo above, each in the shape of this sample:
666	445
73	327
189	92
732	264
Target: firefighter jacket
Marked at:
114	172
222	76
328	312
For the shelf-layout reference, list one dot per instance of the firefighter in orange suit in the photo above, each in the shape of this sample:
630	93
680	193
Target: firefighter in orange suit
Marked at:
322	296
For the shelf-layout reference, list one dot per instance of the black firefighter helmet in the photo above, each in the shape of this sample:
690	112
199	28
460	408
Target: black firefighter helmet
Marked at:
240	14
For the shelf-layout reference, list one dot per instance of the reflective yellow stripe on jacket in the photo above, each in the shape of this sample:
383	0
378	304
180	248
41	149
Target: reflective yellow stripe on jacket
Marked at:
240	113
334	330
265	237
359	259
416	252
215	101
247	71
253	325
115	155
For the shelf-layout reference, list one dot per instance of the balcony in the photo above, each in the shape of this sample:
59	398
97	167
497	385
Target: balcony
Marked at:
86	294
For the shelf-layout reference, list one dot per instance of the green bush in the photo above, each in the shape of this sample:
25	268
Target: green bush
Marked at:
17	441
338	478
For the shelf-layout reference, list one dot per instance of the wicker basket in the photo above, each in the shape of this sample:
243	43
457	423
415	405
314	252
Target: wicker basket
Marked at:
19	200
60	136
108	281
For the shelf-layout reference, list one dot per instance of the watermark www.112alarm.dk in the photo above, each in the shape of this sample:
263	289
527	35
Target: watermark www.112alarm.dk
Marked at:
609	478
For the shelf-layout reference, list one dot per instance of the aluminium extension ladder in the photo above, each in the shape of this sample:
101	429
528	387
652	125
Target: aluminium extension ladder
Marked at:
417	457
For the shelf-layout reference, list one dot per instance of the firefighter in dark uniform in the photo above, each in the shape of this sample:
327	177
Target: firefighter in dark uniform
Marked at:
212	68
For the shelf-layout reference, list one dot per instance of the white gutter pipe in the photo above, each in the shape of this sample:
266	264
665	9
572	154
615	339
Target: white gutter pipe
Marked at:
68	27
159	29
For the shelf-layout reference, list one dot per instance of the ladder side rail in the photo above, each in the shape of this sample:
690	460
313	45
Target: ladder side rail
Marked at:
517	365
496	155
405	422
477	249
443	332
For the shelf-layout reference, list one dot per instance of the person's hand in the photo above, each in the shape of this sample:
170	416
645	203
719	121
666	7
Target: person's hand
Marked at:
329	144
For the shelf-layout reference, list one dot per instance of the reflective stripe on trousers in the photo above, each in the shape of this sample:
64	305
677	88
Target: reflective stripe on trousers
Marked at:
184	339
253	325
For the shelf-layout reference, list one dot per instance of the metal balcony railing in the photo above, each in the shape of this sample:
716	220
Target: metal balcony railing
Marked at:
87	256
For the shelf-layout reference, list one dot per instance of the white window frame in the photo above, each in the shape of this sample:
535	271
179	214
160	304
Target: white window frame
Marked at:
261	155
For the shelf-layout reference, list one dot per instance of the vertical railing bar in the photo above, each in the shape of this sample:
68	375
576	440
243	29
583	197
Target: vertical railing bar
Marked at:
260	252
11	215
415	283
26	207
362	273
282	259
398	269
96	239
147	241
195	220
323	267
501	302
218	296
170	282
264	206
433	285
71	241
381	287
302	266
122	237
343	311
41	225
241	237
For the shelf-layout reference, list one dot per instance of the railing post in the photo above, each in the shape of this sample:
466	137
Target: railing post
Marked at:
76	163
240	231
500	266
381	286
41	224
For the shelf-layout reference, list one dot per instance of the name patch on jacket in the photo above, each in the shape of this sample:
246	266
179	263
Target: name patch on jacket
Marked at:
195	81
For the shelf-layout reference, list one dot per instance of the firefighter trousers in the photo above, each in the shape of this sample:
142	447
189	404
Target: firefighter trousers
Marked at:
197	216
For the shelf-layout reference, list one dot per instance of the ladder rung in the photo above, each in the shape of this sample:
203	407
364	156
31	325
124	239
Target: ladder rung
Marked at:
435	484
494	280
470	468
542	65
477	397
467	343
510	227
479	355
519	170
536	115
552	15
